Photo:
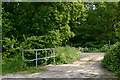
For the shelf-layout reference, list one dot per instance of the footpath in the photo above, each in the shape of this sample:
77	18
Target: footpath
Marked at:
89	66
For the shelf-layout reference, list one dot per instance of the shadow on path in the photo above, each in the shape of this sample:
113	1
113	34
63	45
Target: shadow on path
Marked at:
87	67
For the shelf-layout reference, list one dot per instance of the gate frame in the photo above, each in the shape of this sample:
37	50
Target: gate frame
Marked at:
52	50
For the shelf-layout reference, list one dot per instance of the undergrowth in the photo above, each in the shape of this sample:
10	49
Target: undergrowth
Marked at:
64	55
21	67
105	48
111	60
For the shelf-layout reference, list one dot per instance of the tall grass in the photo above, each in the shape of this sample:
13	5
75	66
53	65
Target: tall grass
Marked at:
21	67
14	66
66	55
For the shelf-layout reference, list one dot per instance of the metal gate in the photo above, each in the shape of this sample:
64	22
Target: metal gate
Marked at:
52	50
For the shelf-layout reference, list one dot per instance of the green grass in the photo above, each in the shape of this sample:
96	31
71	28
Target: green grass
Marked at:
19	67
33	70
66	55
0	68
26	70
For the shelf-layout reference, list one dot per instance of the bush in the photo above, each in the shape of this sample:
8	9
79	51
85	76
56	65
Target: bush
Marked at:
13	48
10	49
104	48
111	60
66	54
92	49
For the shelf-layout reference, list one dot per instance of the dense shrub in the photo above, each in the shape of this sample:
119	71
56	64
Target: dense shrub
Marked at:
66	54
111	60
12	48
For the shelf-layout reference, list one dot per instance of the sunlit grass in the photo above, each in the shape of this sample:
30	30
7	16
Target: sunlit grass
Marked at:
20	67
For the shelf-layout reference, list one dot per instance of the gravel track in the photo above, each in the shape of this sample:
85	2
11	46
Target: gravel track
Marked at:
89	66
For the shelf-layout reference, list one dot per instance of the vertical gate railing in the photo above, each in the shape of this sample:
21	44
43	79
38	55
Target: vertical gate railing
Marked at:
52	50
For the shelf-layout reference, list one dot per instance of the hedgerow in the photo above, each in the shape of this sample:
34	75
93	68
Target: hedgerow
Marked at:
111	60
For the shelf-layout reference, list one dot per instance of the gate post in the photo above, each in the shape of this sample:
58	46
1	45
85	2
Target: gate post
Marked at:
46	56
109	44
22	55
36	58
54	54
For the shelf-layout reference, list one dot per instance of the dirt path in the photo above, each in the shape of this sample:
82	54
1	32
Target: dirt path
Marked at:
87	67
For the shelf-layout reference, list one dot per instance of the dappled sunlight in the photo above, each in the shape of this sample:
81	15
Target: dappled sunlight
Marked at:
89	66
60	40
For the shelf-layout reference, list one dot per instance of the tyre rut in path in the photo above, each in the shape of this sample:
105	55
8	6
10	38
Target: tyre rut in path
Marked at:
89	66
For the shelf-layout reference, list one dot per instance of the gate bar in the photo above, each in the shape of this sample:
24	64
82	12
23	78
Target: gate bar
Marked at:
36	58
52	50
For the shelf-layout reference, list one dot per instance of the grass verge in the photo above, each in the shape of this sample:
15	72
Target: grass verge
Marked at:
20	67
33	70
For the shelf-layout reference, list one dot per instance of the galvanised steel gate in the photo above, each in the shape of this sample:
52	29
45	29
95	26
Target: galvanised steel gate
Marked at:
52	50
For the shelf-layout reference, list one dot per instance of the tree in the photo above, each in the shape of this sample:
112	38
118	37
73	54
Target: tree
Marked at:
97	28
37	25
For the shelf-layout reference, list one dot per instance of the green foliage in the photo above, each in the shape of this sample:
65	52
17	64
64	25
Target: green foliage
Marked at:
10	49
93	49
117	74
117	29
13	48
41	19
117	25
63	55
37	25
66	54
98	27
111	60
